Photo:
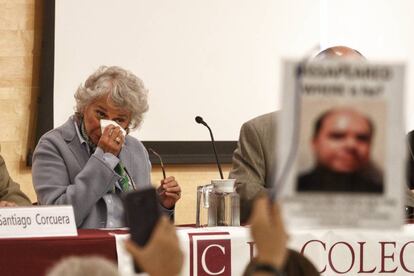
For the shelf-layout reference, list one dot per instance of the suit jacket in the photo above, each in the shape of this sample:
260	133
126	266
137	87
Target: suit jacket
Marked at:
254	164
64	173
10	190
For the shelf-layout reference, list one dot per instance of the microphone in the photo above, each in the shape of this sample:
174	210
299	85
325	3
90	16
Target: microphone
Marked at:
200	120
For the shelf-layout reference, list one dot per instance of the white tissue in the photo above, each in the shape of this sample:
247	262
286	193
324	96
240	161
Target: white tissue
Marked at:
105	123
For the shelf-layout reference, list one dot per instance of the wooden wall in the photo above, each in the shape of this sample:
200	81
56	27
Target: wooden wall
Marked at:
19	53
20	29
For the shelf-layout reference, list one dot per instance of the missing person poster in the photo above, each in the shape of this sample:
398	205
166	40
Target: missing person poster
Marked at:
341	151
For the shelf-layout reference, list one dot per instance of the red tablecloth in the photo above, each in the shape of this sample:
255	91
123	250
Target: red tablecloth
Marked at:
34	256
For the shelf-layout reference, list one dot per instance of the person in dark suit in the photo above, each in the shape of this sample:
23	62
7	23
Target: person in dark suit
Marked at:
341	143
88	166
10	193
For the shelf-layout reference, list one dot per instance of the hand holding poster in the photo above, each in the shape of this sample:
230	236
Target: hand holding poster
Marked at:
349	164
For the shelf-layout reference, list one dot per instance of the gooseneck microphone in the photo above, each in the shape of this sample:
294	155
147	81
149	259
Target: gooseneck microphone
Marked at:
200	120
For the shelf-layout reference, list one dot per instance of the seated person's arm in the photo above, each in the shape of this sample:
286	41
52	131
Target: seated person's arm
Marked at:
10	193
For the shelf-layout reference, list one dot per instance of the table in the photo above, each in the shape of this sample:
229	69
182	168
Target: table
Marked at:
34	256
225	250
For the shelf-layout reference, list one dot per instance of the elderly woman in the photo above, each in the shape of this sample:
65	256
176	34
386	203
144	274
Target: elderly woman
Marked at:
81	165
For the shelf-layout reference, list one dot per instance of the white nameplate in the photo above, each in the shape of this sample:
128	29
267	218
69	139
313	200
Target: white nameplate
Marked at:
39	221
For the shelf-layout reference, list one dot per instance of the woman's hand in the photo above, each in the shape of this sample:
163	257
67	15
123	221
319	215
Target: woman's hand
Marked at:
169	192
111	140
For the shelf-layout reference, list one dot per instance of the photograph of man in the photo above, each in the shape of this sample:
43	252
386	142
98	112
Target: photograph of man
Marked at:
341	144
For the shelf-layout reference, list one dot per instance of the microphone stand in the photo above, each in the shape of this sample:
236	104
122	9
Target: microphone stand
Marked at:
215	151
200	120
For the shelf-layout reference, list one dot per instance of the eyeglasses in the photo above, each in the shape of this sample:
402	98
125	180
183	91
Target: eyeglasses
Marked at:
161	163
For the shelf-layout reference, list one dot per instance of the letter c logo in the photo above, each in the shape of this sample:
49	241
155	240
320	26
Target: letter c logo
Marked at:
203	259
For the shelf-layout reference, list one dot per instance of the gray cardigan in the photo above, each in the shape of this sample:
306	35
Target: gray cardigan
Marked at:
64	173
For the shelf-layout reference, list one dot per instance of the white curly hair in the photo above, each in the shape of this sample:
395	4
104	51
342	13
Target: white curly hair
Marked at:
124	88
